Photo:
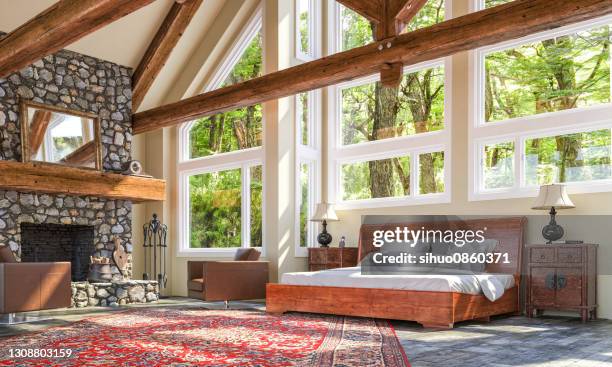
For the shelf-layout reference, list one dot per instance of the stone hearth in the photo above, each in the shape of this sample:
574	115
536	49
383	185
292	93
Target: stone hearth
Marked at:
113	294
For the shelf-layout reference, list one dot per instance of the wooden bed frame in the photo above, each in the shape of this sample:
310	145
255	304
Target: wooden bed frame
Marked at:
430	309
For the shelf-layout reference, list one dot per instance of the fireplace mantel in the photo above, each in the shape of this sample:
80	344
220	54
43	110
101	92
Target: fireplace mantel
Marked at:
57	179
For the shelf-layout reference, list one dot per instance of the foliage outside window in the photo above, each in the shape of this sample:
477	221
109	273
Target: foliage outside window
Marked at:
431	173
498	165
304	29
371	112
550	82
383	178
303	116
234	130
575	157
215	209
492	3
304	203
562	73
357	31
256	206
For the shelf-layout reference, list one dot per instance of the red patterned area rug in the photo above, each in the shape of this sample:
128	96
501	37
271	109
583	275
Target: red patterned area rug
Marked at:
220	338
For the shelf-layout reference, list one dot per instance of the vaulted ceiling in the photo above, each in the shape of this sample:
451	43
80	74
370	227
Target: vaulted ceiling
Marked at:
125	41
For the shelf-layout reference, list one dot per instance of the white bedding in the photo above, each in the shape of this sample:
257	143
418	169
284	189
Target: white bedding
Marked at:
492	286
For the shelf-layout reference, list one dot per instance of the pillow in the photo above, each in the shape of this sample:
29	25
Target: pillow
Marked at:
242	254
6	255
253	255
247	254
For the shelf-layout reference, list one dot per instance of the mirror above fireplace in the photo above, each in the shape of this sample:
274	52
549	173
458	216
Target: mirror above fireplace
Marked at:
60	136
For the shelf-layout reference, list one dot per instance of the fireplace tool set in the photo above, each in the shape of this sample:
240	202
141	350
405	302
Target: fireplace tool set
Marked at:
155	251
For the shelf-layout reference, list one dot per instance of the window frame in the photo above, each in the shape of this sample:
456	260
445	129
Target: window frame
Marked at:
308	154
520	129
244	159
314	31
413	145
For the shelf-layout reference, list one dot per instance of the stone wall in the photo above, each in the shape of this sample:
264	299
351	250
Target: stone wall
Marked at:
109	218
78	82
82	83
114	294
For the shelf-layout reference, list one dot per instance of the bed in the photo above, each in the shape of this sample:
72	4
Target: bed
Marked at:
434	301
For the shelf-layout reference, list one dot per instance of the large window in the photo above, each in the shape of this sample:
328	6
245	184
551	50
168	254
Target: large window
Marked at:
307	168
390	144
543	112
221	164
307	29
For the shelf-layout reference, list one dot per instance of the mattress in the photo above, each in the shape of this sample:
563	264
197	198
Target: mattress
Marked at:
492	286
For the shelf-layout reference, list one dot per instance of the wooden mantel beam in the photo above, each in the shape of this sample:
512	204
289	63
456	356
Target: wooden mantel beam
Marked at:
486	27
161	47
58	26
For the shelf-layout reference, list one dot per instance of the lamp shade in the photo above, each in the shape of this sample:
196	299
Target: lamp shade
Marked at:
324	211
553	195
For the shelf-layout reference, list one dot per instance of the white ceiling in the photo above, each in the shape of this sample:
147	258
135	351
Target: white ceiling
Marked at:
123	41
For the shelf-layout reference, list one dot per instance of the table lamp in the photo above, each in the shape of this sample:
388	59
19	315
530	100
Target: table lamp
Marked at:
552	197
325	212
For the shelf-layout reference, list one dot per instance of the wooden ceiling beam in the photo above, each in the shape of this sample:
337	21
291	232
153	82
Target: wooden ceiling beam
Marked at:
408	10
391	74
58	26
85	154
369	9
505	22
160	48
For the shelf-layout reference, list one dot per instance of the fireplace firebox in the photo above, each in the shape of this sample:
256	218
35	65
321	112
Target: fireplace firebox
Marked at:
58	242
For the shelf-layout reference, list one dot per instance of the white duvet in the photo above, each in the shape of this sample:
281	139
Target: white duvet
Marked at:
492	286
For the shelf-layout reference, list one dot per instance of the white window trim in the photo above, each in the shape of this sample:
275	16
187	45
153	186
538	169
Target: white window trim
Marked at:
313	198
314	31
184	204
244	159
412	145
520	129
308	154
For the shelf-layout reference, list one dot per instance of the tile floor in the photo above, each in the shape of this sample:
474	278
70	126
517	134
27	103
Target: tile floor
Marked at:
504	342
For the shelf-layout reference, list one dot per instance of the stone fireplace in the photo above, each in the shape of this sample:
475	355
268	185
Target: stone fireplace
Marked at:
59	242
59	227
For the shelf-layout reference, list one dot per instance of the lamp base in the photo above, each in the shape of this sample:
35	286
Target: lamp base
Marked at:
324	238
552	231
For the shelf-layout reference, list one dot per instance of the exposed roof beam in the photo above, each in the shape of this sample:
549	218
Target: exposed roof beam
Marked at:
161	47
409	10
58	26
83	155
486	27
369	9
390	26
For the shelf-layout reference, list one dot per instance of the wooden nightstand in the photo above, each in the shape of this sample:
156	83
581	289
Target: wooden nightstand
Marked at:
322	258
562	277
